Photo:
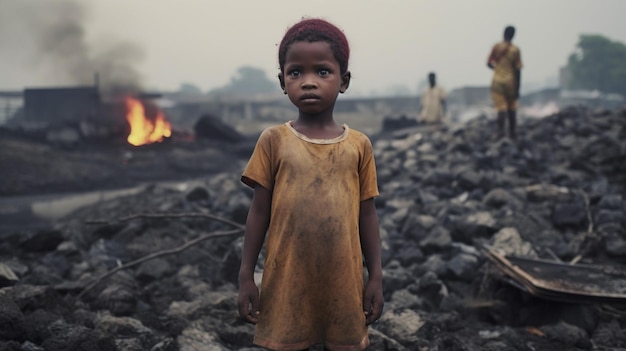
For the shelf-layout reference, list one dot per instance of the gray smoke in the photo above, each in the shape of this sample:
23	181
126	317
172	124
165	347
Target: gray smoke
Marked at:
50	38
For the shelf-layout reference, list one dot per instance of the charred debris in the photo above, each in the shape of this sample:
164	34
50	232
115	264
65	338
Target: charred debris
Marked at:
486	246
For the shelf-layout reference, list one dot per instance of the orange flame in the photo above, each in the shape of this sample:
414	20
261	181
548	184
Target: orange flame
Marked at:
142	129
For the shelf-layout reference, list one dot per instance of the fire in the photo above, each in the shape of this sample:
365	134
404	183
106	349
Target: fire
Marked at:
142	129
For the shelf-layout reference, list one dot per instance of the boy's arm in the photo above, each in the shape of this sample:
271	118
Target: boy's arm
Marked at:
373	300
256	227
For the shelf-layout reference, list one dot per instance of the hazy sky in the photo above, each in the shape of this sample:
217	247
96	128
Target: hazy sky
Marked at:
393	42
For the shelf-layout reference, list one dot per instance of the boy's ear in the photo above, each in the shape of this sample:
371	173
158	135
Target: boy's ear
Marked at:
345	82
281	79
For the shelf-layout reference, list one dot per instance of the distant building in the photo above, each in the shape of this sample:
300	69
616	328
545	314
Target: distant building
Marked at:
60	105
72	112
470	96
10	103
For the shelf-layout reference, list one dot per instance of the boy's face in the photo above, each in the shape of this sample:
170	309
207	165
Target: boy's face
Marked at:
312	77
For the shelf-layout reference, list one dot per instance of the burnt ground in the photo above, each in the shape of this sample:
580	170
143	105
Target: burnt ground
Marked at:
30	166
558	193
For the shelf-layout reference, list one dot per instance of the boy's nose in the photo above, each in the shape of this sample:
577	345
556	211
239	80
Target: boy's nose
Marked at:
309	82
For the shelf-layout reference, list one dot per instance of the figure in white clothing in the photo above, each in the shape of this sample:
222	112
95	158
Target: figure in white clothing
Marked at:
433	103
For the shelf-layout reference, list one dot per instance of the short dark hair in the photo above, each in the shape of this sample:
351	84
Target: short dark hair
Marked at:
312	30
509	32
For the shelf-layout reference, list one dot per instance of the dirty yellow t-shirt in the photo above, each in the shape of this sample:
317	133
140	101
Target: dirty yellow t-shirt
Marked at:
312	286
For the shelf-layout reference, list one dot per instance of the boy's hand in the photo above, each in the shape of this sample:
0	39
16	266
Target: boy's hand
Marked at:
373	301
248	301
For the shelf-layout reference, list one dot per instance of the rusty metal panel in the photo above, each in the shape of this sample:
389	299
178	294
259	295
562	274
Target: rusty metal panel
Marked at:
562	281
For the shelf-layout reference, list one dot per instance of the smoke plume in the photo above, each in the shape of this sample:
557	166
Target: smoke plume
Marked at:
50	37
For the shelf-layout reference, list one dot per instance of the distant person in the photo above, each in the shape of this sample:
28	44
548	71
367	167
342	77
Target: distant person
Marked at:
314	184
433	103
505	60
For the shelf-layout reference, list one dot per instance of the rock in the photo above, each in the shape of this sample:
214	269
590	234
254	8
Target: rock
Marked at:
11	320
42	240
403	299
7	277
409	255
122	327
380	341
567	335
153	270
29	346
615	245
509	242
570	215
463	267
10	346
201	306
439	239
474	225
609	334
396	277
612	202
416	226
431	290
129	344
66	337
192	339
469	180
434	263
198	194
604	216
401	325
119	299
212	128
32	297
499	197
37	323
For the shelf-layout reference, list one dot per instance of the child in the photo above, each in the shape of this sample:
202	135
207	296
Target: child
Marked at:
314	182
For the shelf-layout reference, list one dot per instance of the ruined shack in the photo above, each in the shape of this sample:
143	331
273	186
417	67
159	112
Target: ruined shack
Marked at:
49	106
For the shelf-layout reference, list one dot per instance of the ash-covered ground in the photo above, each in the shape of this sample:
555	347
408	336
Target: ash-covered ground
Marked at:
157	270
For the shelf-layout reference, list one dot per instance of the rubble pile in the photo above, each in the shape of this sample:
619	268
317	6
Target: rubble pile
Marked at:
558	193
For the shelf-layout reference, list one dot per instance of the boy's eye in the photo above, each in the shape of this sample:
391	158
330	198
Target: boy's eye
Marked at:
324	72
294	73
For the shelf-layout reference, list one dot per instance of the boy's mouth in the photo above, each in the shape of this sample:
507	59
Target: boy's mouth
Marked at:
307	97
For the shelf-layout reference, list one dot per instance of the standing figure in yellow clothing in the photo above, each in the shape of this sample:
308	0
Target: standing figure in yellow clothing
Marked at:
314	184
505	60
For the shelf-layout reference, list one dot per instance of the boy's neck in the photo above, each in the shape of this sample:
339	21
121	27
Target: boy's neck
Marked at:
321	120
317	128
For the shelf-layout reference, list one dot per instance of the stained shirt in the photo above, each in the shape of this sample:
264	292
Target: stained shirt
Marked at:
312	285
506	59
